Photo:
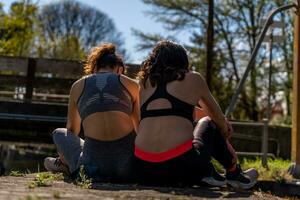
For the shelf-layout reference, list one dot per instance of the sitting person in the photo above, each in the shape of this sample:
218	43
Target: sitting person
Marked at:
168	149
105	104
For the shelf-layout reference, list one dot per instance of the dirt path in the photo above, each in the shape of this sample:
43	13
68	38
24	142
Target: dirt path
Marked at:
16	188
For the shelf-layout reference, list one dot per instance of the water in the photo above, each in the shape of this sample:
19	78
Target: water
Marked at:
24	157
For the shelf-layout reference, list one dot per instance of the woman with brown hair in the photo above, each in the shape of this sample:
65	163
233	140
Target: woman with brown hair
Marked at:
105	103
168	149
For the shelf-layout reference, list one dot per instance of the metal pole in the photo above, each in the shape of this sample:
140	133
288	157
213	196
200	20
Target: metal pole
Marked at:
210	43
264	147
265	136
254	54
268	114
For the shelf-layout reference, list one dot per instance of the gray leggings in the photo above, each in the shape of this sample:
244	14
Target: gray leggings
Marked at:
102	160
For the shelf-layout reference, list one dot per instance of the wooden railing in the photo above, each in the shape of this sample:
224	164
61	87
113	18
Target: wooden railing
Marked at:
35	79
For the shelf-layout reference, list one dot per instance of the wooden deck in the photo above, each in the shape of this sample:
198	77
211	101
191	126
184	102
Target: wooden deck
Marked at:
43	80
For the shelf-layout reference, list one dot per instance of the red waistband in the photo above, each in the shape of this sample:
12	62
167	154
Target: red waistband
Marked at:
163	156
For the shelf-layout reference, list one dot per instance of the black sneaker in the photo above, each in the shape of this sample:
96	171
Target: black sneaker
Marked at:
213	178
240	179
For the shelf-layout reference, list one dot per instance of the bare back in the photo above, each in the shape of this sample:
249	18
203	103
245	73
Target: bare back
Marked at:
162	133
107	125
159	134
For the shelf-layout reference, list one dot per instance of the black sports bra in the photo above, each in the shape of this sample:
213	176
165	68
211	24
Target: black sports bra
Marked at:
179	108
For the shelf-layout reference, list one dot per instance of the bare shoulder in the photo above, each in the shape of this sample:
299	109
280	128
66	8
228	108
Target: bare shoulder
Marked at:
194	78
129	81
77	88
78	84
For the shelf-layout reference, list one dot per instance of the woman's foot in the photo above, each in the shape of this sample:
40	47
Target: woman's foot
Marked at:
213	178
55	165
242	179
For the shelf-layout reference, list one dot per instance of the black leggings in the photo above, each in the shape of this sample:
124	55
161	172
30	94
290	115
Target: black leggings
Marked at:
193	165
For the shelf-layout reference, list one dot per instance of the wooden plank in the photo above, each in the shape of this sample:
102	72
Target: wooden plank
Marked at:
38	118
43	76
63	98
296	93
15	64
12	80
46	109
8	81
51	67
59	68
53	83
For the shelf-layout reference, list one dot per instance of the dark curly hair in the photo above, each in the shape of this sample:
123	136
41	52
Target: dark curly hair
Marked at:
167	62
101	57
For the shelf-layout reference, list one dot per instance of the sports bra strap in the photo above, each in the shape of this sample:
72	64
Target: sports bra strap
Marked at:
158	93
178	107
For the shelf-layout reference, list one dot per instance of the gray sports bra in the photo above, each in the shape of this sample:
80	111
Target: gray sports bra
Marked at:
104	92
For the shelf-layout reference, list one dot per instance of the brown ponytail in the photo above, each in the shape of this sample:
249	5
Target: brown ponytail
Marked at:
102	56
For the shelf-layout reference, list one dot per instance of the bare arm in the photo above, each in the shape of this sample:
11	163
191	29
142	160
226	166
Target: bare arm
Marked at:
133	88
74	120
212	108
136	113
199	113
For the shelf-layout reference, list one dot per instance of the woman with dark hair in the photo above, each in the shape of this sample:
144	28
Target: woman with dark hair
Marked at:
168	149
105	104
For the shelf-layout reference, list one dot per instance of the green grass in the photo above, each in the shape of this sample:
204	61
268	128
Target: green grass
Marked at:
45	179
276	171
16	173
83	181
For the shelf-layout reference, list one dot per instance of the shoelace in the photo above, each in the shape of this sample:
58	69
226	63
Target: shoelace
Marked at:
57	162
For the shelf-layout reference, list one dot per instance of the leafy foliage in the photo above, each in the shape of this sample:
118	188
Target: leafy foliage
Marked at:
237	26
69	29
64	29
17	29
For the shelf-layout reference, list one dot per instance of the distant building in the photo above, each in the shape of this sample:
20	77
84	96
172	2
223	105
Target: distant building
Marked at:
277	111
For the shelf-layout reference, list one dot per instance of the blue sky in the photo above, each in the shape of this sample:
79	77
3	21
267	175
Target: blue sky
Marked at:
126	14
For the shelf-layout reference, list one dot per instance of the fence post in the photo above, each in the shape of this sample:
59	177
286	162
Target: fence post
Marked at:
264	146
31	67
295	167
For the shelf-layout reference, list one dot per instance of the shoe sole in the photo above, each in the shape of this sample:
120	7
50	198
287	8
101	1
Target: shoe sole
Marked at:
45	165
239	185
213	182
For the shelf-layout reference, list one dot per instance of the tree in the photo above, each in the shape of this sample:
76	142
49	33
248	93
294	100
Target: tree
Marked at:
69	29
16	32
237	26
189	16
177	16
